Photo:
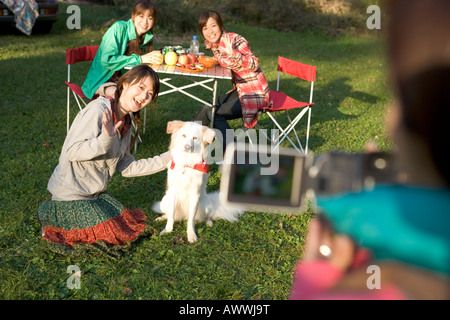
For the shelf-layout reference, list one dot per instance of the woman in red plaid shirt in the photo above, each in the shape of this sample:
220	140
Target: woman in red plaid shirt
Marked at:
250	92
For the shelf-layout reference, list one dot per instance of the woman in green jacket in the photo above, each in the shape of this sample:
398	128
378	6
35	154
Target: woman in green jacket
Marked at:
81	212
125	43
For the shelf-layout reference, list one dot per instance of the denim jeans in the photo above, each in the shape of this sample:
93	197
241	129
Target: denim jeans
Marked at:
228	107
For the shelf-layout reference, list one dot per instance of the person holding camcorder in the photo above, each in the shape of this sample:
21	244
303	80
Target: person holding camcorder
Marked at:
393	242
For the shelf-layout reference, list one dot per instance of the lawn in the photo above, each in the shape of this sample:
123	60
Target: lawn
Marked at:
249	260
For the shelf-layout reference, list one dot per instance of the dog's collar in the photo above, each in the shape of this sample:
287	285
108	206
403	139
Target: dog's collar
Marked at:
202	167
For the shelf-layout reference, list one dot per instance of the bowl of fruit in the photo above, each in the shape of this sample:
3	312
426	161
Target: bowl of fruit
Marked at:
208	62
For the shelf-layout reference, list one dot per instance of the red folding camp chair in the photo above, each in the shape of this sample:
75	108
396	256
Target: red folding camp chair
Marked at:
283	102
75	55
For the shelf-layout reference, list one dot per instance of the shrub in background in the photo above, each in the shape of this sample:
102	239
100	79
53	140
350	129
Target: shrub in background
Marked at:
328	16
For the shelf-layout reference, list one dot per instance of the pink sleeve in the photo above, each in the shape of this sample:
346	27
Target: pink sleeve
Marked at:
242	57
313	280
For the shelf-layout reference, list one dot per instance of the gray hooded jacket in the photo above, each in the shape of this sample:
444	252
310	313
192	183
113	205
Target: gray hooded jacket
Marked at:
89	157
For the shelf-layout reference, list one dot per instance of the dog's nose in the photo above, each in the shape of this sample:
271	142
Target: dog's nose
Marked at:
187	147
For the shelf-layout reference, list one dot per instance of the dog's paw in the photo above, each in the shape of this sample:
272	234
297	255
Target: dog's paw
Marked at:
209	223
162	218
166	230
192	237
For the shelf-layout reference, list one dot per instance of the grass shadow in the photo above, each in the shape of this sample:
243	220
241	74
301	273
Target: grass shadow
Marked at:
328	99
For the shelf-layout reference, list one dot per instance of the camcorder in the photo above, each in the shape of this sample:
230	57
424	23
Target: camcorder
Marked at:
282	179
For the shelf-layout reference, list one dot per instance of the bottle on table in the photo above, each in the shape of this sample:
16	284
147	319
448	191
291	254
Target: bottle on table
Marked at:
194	48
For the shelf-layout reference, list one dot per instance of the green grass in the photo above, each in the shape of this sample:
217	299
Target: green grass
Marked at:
251	259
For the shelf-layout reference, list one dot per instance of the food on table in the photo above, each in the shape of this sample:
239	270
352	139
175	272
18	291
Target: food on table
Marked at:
183	59
191	66
171	58
192	58
208	62
199	65
160	57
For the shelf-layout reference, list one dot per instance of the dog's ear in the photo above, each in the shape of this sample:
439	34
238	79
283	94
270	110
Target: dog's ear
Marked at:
174	125
208	134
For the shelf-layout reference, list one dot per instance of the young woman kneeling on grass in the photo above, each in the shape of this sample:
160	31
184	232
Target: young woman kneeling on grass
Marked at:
97	145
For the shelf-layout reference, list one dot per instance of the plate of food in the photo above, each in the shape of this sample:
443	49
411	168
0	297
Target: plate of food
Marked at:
192	67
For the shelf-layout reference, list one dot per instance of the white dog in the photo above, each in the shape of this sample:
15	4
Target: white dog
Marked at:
187	177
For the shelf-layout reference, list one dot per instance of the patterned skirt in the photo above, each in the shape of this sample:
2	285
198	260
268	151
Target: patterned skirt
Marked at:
90	221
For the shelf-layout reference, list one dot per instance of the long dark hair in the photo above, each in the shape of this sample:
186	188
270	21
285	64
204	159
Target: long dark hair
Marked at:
133	46
136	75
425	103
420	71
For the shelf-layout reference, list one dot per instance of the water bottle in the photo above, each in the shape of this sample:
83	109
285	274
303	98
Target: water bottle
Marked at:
194	46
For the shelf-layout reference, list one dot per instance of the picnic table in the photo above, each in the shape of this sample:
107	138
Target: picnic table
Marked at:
196	78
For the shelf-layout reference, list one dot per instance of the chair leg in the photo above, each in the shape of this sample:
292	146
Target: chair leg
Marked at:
307	131
295	132
271	139
68	108
250	140
139	139
77	99
145	119
287	130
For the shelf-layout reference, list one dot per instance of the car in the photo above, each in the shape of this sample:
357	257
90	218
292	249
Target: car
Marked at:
48	14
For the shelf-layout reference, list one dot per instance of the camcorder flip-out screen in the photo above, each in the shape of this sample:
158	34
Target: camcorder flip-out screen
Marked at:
281	180
262	180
